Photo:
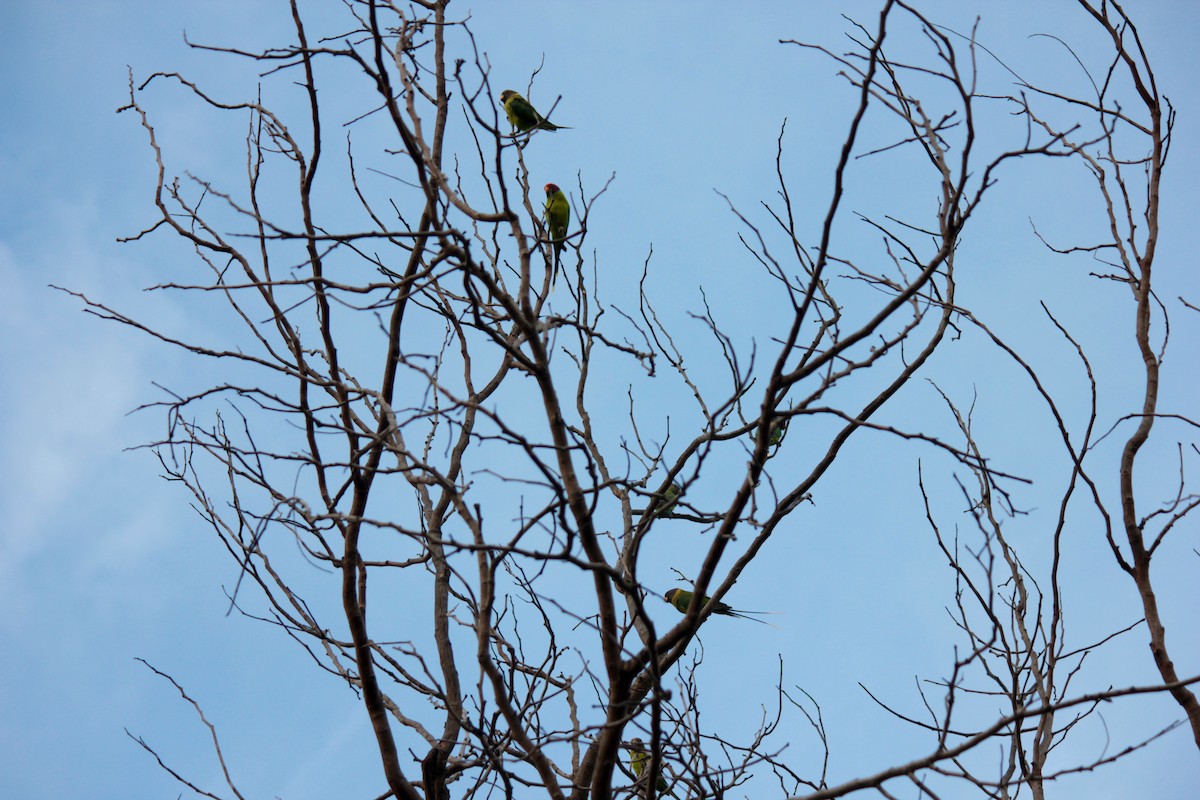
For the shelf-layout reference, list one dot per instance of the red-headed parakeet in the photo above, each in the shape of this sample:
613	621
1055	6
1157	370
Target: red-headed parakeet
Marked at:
522	115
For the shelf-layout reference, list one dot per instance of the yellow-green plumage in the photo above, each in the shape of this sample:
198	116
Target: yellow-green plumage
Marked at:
639	759
558	216
522	115
778	431
681	599
670	496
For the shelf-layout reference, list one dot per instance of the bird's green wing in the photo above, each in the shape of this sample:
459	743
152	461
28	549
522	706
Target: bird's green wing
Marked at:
520	113
669	497
778	431
639	759
558	218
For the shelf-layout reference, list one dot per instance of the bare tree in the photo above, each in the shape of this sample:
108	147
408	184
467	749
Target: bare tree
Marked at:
1128	164
412	404
1122	134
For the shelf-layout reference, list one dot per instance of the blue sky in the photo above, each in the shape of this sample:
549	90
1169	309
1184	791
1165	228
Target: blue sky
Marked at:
103	562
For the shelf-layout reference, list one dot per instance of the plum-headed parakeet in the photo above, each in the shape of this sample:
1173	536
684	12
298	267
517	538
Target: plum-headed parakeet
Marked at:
681	599
639	759
558	216
522	115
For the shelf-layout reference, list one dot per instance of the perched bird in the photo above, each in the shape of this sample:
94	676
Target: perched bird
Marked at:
639	759
669	498
778	431
558	217
681	599
522	115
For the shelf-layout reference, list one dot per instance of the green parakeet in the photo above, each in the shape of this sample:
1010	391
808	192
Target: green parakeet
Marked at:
639	759
669	498
681	599
522	115
558	216
778	431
